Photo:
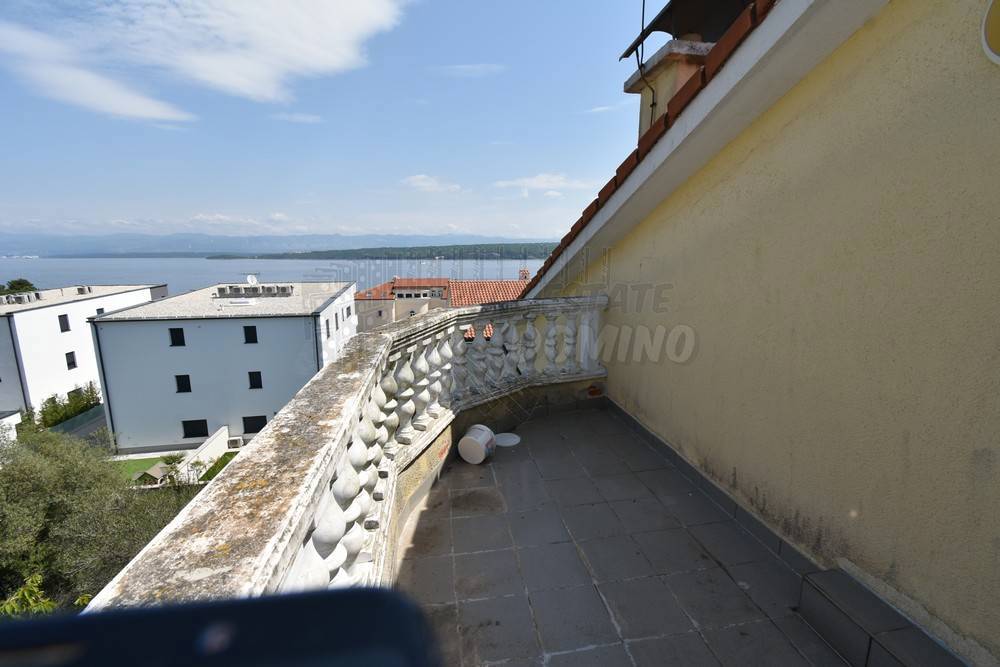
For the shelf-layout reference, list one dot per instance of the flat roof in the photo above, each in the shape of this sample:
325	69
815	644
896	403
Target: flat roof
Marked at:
305	299
7	413
63	295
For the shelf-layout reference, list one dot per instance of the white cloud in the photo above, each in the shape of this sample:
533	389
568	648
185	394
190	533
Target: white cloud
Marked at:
425	183
52	68
553	182
608	107
554	194
473	71
248	49
305	118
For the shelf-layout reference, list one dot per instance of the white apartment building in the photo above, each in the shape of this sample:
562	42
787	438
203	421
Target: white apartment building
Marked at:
177	370
46	347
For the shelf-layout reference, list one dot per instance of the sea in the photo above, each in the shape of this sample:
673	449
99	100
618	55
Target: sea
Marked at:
185	274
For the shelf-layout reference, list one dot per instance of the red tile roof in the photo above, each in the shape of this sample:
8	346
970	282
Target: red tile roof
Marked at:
473	292
385	290
714	61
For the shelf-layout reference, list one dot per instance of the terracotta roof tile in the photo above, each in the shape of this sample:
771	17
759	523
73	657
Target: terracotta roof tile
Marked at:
726	45
474	292
732	38
384	291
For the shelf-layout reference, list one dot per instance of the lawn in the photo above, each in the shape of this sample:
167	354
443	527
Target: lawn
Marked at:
217	467
130	467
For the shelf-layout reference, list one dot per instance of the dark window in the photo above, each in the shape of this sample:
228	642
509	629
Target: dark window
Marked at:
183	384
195	428
64	323
254	424
70	360
412	313
74	392
100	311
380	313
328	328
256	381
176	337
348	312
249	335
336	321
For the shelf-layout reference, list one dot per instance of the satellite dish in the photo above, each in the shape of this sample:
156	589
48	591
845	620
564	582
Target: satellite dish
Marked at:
251	279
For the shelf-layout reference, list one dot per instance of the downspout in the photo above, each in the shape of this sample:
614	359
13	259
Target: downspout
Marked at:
17	362
317	334
104	388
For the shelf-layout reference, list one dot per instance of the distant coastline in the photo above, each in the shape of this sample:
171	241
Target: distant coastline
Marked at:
511	251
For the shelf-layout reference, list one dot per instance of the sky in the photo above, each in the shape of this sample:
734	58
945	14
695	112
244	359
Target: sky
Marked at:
311	116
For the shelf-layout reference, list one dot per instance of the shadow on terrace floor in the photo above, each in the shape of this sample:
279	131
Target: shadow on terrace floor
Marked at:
584	546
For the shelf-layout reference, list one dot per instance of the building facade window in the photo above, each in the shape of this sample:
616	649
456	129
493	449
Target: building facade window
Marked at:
72	393
250	335
177	337
100	311
348	313
336	321
254	424
328	328
64	323
70	360
195	428
183	384
256	380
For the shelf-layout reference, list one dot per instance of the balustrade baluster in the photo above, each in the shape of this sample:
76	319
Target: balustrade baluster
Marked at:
496	354
405	433
569	364
421	370
435	362
477	360
459	373
512	350
391	421
444	399
550	342
529	341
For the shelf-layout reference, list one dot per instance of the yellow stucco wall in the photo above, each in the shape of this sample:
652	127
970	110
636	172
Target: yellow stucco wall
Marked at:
840	265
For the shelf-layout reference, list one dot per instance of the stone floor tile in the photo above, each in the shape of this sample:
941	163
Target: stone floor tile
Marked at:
712	599
507	455
481	533
600	462
585	522
497	629
428	580
559	465
810	644
729	543
687	650
694	508
517	473
753	645
644	608
639	457
576	491
552	566
665	482
488	574
431	537
615	558
462	475
474	502
602	656
621	487
443	620
526	496
770	584
438	502
670	551
534	527
644	515
571	618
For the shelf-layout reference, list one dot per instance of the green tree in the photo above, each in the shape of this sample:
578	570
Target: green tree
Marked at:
28	599
17	285
69	516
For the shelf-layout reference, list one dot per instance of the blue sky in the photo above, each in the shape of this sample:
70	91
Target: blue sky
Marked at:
310	116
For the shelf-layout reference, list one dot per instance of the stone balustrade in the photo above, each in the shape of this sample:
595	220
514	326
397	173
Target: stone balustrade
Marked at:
308	504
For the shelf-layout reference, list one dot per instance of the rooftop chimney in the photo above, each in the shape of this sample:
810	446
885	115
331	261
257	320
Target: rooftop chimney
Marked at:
695	26
524	274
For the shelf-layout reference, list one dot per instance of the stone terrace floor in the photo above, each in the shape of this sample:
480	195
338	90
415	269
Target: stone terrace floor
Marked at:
584	546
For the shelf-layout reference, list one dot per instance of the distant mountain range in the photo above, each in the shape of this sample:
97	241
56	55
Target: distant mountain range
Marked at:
451	252
203	245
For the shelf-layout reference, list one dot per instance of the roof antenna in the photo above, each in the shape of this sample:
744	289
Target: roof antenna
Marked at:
640	57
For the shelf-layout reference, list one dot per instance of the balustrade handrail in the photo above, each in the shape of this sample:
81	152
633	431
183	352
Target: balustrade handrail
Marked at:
307	504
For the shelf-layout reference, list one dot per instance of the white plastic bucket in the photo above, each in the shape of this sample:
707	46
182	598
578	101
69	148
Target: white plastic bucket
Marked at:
477	444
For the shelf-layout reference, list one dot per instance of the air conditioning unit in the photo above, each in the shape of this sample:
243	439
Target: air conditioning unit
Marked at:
81	290
234	443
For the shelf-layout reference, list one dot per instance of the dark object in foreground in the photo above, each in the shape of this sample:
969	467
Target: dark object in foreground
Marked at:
361	627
